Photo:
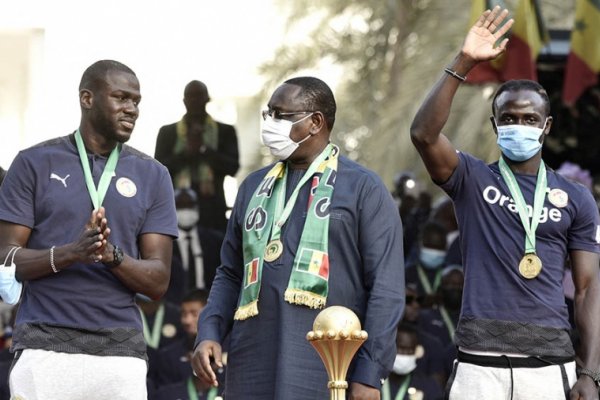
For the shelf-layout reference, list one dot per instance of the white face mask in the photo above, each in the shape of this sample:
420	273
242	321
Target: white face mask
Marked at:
10	288
275	134
404	364
187	218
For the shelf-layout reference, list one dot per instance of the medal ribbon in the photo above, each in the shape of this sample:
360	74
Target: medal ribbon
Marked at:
385	390
153	339
538	202
427	286
97	195
448	322
283	213
193	393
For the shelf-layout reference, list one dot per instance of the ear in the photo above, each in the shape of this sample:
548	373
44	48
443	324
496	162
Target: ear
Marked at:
86	99
494	126
548	125
318	123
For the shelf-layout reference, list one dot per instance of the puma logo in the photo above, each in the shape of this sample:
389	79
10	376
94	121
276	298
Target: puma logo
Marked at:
58	178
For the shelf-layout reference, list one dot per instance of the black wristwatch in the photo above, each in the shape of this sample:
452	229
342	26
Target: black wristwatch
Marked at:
594	375
117	257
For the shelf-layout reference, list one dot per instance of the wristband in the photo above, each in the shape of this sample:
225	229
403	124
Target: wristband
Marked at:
455	75
594	375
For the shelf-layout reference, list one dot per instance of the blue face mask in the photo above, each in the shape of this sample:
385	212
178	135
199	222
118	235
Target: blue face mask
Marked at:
519	142
10	288
431	258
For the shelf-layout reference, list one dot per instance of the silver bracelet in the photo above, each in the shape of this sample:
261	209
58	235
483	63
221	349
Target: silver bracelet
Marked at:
455	75
52	260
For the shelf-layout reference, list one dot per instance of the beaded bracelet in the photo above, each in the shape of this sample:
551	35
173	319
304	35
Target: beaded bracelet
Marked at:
52	260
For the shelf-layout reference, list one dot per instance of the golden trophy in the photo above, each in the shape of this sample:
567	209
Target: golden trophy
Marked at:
336	336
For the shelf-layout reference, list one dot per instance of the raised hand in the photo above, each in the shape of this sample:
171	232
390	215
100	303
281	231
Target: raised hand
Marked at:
480	42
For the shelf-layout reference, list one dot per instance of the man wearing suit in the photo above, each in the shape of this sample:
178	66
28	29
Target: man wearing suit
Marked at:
199	152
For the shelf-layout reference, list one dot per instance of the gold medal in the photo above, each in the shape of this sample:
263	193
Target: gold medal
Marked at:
273	250
530	266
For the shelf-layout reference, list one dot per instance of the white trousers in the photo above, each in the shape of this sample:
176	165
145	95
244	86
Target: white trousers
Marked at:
470	381
48	375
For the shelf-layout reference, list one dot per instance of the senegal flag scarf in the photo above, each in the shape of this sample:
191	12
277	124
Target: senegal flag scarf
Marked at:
265	215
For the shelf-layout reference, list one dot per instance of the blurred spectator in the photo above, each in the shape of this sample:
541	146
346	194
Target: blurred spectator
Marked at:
199	152
160	321
432	362
407	381
441	321
196	251
173	373
414	206
444	214
426	273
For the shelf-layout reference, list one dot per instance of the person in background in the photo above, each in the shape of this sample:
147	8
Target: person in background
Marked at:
312	230
92	222
426	273
440	320
518	222
407	381
199	153
174	376
196	251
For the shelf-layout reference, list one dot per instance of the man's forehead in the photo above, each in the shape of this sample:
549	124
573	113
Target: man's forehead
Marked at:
520	99
286	94
121	80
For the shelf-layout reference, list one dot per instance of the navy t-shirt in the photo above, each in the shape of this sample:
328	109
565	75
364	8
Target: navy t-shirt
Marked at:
492	241
45	190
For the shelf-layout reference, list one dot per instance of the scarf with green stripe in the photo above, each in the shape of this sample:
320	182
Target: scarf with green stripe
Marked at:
203	173
309	280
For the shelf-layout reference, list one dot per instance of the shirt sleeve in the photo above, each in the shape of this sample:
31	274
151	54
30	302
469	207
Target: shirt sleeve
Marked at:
455	185
216	319
161	216
380	245
584	233
17	193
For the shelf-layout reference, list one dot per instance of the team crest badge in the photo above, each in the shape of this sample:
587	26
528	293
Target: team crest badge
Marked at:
126	187
558	198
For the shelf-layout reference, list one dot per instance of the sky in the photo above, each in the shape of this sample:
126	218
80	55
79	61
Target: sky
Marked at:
167	44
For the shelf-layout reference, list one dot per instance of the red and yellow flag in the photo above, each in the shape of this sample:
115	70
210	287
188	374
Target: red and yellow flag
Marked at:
583	64
488	71
527	37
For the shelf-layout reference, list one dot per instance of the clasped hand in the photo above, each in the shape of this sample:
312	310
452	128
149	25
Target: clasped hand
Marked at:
92	244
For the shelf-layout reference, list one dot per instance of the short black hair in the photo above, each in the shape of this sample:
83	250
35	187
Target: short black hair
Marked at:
200	295
316	96
95	75
522	84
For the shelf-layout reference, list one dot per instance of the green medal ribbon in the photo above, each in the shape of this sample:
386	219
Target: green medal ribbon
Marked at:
97	195
193	393
429	288
386	392
264	218
538	202
153	339
448	322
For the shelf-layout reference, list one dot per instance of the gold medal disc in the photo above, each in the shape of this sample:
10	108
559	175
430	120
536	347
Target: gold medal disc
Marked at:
530	266
273	250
